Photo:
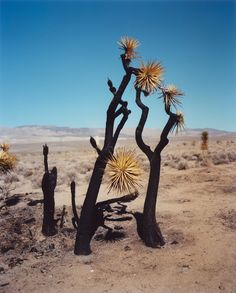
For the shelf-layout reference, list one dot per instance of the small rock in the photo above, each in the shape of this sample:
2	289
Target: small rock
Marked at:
174	242
4	284
85	259
185	268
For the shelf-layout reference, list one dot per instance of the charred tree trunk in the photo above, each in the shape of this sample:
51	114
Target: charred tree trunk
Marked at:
48	186
75	219
88	216
147	226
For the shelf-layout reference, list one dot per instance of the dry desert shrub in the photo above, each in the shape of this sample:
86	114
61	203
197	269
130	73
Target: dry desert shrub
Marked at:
11	178
28	173
6	189
228	218
85	167
183	165
223	158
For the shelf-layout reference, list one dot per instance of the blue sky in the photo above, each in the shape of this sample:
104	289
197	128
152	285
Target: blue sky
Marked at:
55	58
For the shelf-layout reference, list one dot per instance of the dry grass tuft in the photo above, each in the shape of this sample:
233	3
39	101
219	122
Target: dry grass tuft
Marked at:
123	171
148	77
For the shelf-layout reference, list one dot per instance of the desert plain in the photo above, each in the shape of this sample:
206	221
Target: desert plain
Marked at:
196	211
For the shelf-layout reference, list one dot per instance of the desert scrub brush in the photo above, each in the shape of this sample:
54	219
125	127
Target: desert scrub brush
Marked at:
123	171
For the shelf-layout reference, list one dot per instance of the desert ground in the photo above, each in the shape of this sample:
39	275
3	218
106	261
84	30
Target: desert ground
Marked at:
196	211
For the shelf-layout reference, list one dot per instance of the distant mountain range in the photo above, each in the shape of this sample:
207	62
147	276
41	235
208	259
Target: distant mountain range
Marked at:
37	133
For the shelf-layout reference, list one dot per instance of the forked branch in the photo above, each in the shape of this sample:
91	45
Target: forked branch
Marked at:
94	145
125	113
139	130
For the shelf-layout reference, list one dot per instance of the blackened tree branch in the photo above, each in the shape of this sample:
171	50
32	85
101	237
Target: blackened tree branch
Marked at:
89	217
45	154
173	118
111	87
126	113
139	130
75	219
94	145
125	198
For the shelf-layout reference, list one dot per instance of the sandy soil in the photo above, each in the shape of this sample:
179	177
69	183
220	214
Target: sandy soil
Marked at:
196	211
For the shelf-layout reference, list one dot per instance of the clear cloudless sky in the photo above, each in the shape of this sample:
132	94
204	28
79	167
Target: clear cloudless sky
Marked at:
56	56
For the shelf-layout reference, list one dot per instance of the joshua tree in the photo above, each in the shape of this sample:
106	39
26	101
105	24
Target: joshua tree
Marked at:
122	176
49	183
116	108
148	79
204	138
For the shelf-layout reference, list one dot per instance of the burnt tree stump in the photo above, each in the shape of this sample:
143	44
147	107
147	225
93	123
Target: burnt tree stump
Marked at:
49	183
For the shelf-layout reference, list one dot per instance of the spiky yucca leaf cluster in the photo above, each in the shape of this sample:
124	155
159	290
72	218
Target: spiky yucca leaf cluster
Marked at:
5	147
7	160
148	77
170	94
123	171
179	125
129	45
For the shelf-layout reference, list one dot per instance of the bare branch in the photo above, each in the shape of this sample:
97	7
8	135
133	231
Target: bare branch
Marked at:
75	219
139	130
94	145
125	198
111	87
45	154
119	111
126	113
169	125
